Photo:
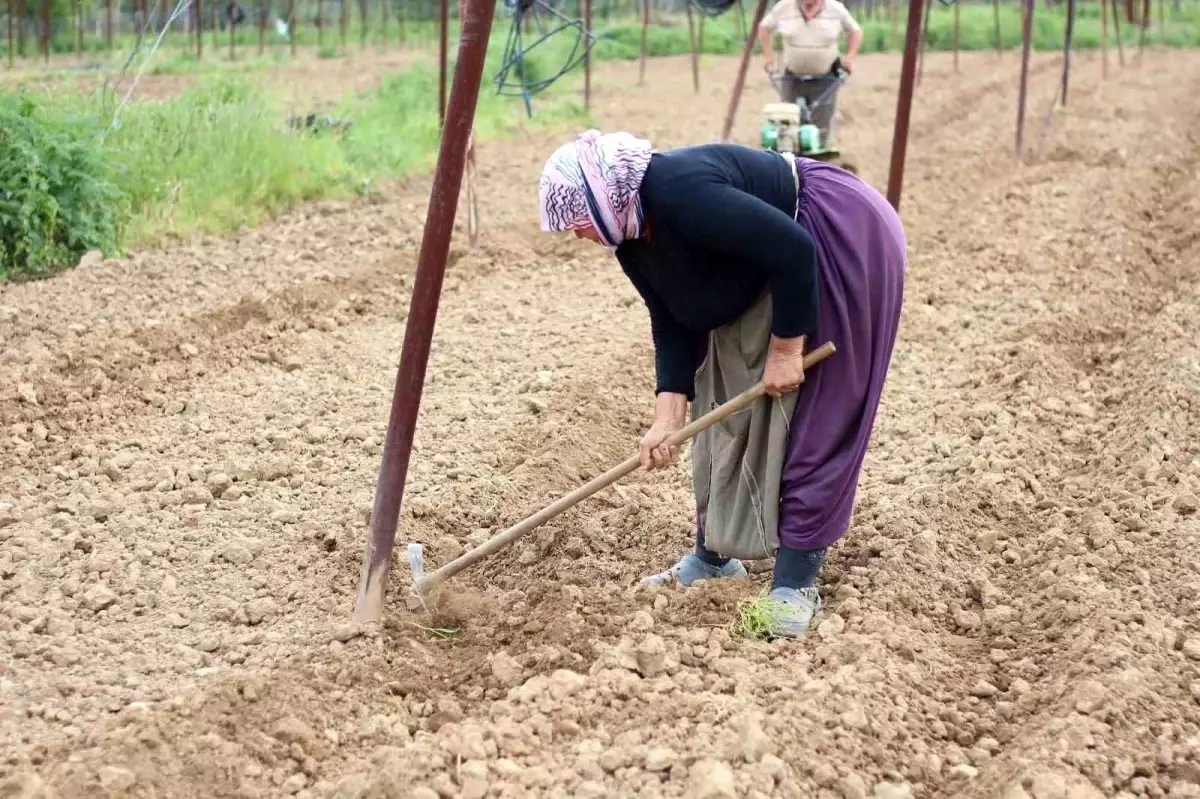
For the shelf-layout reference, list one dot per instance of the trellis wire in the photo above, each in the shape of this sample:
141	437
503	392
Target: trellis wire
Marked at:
515	51
180	8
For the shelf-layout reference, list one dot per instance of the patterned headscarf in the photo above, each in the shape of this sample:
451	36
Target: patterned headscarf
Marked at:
594	180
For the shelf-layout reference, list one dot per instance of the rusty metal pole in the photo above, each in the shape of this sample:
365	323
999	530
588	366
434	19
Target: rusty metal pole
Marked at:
645	30
587	58
442	37
908	73
739	83
1116	16
1026	44
418	333
695	53
1067	41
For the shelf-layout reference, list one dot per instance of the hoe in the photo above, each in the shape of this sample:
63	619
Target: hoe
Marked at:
423	584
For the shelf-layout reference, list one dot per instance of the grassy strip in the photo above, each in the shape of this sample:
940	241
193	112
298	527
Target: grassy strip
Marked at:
667	36
220	155
214	158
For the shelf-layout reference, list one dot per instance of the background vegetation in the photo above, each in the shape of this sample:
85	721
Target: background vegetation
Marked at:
76	177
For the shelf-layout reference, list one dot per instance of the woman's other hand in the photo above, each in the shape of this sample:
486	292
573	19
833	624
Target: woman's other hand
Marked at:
670	413
784	371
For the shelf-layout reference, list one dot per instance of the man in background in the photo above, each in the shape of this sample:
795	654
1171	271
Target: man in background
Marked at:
810	30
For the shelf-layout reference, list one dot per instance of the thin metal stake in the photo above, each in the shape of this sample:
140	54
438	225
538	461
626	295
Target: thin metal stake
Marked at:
740	82
908	74
418	333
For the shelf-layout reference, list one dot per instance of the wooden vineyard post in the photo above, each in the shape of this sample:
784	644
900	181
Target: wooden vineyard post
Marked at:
214	18
739	82
1026	43
1067	41
472	167
957	6
904	99
11	54
695	54
108	24
1104	38
1116	18
996	22
400	34
1142	31
587	57
924	41
422	316
443	37
644	47
22	10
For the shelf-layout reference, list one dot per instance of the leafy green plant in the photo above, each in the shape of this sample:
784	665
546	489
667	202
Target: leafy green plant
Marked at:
56	198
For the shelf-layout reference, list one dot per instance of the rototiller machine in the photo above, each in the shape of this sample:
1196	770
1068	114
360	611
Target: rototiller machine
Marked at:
789	127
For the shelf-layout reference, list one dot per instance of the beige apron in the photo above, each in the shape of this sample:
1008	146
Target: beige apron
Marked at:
737	463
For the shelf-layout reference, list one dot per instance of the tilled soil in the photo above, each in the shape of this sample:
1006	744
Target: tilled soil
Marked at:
191	439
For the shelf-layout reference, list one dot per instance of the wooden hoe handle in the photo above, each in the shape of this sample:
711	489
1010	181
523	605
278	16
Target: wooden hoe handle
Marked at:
503	539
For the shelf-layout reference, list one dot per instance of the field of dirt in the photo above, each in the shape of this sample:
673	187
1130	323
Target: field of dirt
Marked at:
190	440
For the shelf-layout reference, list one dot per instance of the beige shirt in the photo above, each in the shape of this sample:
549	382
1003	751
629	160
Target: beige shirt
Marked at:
809	46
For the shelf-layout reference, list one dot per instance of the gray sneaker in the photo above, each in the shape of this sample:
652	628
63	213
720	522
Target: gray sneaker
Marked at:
690	569
794	610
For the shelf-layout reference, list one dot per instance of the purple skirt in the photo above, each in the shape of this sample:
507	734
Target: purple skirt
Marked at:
861	258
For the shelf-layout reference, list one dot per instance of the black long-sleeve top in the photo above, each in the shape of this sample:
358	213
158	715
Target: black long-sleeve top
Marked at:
721	228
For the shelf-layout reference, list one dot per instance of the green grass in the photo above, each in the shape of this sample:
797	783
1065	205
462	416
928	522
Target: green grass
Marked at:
622	34
220	156
758	618
621	38
217	157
